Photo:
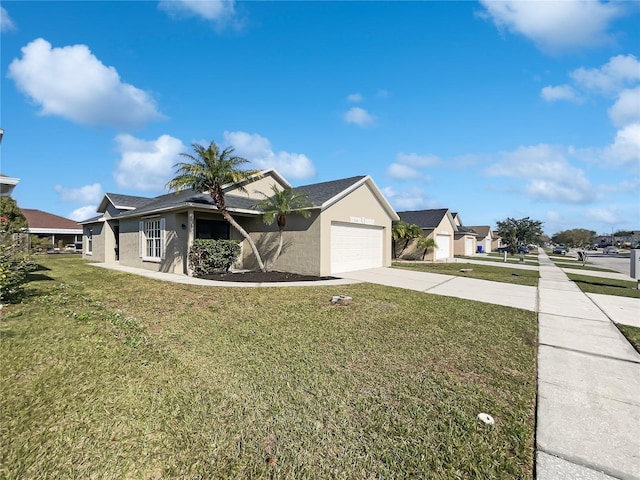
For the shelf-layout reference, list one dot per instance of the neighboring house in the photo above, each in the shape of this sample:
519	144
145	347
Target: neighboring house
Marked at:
438	224
496	241
464	238
7	184
60	231
484	238
349	228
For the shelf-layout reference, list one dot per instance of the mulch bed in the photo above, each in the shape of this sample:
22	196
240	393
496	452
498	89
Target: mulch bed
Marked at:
262	277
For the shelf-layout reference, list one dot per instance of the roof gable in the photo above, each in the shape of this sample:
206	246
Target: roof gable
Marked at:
122	202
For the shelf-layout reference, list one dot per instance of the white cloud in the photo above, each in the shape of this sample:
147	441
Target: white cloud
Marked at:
625	149
146	165
87	194
548	174
6	24
258	151
619	72
414	198
562	92
407	166
555	25
217	10
355	98
403	172
418	161
72	83
359	116
626	110
603	215
83	213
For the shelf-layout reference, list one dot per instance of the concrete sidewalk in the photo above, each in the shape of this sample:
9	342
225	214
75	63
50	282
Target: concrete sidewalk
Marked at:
588	415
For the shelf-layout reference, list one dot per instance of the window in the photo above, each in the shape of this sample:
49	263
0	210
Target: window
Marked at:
212	229
89	241
152	239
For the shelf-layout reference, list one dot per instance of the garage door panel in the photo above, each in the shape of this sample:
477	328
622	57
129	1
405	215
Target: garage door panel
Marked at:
443	250
355	247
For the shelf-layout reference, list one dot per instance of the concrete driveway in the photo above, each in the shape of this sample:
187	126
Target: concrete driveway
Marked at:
509	295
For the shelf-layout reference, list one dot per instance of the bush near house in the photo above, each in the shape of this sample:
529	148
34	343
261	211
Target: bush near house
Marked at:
207	257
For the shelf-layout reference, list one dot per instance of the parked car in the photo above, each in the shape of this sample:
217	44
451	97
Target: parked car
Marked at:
523	249
611	249
503	249
559	250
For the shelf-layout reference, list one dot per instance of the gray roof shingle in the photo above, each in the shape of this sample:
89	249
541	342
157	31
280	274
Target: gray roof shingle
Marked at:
319	193
424	218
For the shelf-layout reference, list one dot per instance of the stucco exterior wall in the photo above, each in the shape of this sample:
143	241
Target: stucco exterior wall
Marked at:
260	185
97	251
301	244
460	242
359	207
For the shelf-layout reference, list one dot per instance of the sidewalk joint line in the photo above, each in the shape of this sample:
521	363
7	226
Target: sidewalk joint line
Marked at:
591	354
596	468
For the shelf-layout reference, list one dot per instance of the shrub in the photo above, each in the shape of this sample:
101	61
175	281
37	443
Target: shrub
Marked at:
207	257
14	268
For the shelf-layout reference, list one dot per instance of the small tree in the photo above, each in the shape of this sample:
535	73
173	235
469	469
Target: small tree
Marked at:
11	218
209	170
15	263
401	230
519	232
426	243
275	208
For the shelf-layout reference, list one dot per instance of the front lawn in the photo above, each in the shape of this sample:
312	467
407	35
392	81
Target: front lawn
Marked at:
483	272
605	286
111	375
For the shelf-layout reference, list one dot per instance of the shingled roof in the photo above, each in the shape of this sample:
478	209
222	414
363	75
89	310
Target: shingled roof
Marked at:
319	193
184	198
38	220
424	218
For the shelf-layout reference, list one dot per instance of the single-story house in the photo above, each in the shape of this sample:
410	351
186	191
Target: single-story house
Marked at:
437	224
61	232
464	239
7	184
349	227
484	237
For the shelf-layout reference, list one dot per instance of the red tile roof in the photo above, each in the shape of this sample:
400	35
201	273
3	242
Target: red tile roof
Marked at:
40	219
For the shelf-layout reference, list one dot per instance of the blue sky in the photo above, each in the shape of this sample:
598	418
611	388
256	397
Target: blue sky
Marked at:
491	109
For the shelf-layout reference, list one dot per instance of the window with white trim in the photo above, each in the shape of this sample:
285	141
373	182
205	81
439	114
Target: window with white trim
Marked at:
89	241
152	238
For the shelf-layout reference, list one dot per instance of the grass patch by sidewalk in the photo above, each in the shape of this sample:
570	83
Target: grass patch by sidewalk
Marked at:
498	258
632	334
605	286
482	272
110	375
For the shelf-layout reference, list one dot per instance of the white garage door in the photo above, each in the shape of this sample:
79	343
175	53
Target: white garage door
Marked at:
355	247
443	250
487	245
468	246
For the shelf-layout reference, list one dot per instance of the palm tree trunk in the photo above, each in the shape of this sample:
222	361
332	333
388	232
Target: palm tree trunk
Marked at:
227	216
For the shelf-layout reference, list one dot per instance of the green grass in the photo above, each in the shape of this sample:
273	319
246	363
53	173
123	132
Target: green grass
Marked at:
632	334
110	375
606	286
498	258
479	271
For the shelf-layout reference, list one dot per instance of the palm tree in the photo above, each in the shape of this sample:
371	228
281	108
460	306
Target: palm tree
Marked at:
275	208
411	231
208	170
427	243
398	231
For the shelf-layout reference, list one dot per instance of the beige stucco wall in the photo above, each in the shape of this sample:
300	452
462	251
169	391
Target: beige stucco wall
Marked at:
459	244
263	185
359	207
97	251
301	244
